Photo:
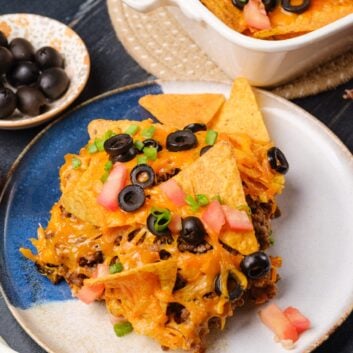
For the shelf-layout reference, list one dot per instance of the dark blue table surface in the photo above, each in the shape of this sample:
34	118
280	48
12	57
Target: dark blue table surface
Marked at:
112	67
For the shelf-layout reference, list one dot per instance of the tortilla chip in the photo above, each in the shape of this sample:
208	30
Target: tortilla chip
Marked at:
216	173
179	110
241	114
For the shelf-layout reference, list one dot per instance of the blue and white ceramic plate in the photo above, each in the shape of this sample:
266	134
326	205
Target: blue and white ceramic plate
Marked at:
314	234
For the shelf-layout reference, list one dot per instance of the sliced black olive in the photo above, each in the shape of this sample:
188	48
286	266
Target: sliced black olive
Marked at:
269	4
193	231
287	5
277	160
181	140
195	127
142	175
3	40
256	265
125	157
118	144
152	143
240	3
151	220
205	149
234	289
131	198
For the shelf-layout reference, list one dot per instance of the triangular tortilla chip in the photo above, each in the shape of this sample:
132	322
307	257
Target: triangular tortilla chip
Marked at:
241	114
216	173
179	110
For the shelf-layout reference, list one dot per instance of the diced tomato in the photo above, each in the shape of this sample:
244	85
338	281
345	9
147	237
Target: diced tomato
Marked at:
214	216
108	197
297	319
273	317
255	15
175	224
237	220
88	294
174	192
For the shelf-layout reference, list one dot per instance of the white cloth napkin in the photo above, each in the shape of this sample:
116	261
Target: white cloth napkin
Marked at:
4	348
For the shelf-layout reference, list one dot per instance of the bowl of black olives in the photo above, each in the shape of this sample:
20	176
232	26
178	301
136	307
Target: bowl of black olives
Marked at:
44	66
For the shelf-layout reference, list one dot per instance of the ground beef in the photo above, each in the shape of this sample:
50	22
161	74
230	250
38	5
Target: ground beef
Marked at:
195	249
53	272
91	259
261	214
76	279
164	176
178	312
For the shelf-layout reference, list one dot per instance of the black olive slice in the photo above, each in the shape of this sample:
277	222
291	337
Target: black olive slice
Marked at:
240	3
125	157
234	289
256	265
287	5
269	4
277	160
193	231
131	198
205	149
118	144
181	140
151	220
152	143
195	127
142	175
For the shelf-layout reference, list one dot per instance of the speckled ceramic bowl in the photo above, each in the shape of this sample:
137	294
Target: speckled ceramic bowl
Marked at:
42	31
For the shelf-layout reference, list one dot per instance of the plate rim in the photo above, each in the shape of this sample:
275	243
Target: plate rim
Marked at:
7	124
8	178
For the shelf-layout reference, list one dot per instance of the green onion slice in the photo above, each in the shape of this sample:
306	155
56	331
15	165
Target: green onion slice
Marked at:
92	148
108	134
139	145
142	159
211	137
192	203
132	129
108	166
163	218
148	132
116	268
202	200
122	328
104	177
245	208
150	153
100	144
76	162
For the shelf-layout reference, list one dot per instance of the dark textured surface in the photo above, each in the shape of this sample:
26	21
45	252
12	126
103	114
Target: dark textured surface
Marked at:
112	68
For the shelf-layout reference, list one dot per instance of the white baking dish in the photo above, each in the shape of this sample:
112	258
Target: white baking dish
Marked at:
263	62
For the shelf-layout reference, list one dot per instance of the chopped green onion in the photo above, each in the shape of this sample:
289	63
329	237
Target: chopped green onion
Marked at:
139	145
271	240
211	137
116	268
142	159
202	200
76	162
245	208
108	166
157	211
217	198
150	153
192	203
108	134
104	177
163	218
122	328
132	129
100	144
92	148
148	132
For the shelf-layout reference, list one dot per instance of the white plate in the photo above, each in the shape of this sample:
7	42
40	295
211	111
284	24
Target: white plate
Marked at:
43	31
314	234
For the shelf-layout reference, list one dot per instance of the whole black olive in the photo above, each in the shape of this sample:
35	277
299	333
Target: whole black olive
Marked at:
195	127
126	156
6	60
151	220
287	5
152	143
234	289
205	149
240	3
142	175
7	102
277	160
181	140
118	144
31	101
269	4
3	40
23	73
47	57
256	265
131	198
193	231
53	82
22	49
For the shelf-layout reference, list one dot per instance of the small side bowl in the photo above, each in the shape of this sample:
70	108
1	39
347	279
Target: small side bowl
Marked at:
43	31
